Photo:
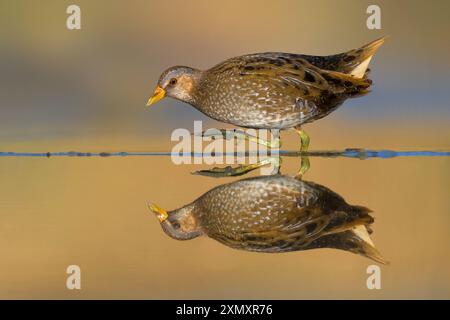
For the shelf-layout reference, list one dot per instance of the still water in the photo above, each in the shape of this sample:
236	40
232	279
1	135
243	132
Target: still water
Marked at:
93	212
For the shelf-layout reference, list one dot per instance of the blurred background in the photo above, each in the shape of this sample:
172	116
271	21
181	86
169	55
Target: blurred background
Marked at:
86	90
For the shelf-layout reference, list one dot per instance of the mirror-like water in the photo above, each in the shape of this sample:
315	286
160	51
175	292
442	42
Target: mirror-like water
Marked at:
93	212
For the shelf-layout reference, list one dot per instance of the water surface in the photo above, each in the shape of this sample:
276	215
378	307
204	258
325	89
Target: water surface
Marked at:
92	211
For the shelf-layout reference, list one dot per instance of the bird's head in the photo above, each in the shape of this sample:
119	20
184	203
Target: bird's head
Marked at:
176	82
179	224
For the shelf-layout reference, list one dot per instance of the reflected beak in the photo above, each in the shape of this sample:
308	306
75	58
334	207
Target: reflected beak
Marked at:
157	95
161	214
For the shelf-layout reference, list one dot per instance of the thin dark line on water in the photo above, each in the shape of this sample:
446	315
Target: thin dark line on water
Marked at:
347	153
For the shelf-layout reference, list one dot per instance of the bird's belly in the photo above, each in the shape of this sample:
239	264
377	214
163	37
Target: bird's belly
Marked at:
251	115
257	246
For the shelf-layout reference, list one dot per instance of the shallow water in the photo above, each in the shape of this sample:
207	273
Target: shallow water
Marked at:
92	212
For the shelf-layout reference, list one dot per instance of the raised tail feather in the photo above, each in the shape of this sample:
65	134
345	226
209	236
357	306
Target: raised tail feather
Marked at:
351	68
355	240
354	62
353	236
359	59
358	241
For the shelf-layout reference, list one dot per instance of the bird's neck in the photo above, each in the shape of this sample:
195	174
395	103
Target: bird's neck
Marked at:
196	92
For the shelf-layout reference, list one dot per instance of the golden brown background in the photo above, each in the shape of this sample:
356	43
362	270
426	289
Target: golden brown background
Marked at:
85	90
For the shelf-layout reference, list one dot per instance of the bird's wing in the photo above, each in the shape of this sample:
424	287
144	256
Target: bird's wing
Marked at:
299	226
294	74
305	217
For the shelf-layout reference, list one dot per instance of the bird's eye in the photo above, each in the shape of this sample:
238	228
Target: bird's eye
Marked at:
173	81
176	225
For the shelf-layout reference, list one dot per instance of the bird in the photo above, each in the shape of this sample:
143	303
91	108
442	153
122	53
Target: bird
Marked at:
273	214
271	90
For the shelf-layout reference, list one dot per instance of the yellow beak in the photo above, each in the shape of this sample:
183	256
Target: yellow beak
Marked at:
161	214
157	95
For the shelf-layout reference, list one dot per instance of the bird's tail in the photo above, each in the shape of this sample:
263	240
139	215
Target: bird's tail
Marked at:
356	62
358	241
353	236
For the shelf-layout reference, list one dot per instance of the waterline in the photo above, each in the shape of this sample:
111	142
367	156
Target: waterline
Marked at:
346	153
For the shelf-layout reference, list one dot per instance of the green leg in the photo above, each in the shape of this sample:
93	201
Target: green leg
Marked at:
304	167
304	145
304	139
239	134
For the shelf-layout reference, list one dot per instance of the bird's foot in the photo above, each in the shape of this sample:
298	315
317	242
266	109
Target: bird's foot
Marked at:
240	170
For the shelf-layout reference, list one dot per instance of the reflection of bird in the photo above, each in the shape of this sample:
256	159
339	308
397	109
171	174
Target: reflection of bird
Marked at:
271	90
273	214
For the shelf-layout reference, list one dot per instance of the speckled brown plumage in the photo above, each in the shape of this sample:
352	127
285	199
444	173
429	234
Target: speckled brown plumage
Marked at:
275	214
271	90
